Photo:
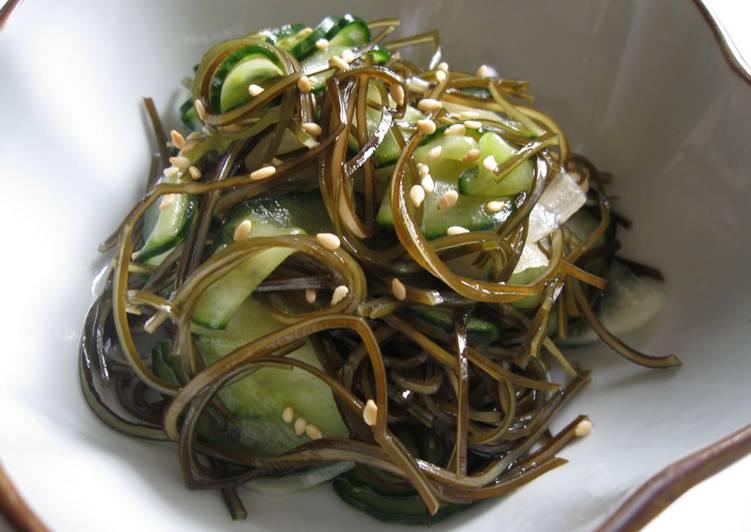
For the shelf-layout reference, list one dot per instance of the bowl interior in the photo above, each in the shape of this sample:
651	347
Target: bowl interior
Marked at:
640	87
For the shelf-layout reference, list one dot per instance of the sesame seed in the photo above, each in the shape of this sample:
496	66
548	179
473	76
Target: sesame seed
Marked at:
312	128
426	126
200	110
340	292
456	129
304	84
329	241
242	231
311	295
300	425
254	89
313	432
262	173
427	183
456	230
483	71
434	153
417	195
472	155
171	171
288	414
397	93
449	199
583	428
443	66
370	412
490	163
195	173
338	62
423	168
193	135
495	206
428	105
182	162
440	76
166	202
322	44
348	56
466	115
472	124
305	32
177	139
398	289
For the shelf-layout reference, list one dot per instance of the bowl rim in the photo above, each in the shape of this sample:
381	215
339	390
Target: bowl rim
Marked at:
645	502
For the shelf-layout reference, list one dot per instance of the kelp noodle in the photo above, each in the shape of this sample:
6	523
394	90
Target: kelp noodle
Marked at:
442	374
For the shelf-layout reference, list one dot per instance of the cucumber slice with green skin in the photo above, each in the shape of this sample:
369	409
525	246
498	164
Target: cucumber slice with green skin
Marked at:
189	116
258	399
479	181
479	331
221	300
249	64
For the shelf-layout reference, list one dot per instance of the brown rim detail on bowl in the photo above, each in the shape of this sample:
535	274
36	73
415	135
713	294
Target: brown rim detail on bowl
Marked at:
15	510
665	487
644	504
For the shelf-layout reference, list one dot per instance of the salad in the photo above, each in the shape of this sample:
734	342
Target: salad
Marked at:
348	267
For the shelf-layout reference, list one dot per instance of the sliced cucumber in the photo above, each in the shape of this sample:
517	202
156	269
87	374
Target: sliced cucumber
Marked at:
479	331
479	181
246	65
298	480
258	399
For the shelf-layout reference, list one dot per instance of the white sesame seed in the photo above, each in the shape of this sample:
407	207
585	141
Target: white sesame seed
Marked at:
472	155
171	171
440	76
182	162
340	292
338	62
428	105
423	168
370	412
262	173
427	183
398	289
200	110
456	230
449	199
193	135
443	66
397	93
177	139
313	432
495	206
195	173
312	128
455	129
300	425
417	195
322	44
329	240
483	71
304	84
583	428
466	115
305	32
242	231
311	295
426	126
254	89
166	202
348	56
472	124
490	163
288	414
434	153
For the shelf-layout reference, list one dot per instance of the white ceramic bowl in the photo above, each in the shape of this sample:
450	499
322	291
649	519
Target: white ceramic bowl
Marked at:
641	87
